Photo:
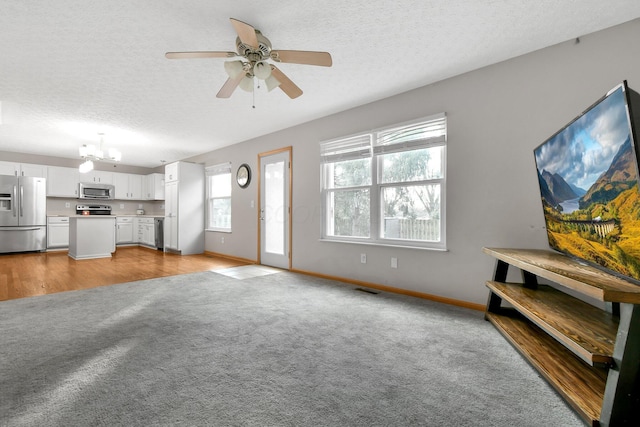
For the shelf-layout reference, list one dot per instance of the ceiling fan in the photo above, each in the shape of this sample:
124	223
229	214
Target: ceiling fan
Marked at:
255	51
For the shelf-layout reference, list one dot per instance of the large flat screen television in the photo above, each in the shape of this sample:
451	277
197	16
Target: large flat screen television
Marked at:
588	177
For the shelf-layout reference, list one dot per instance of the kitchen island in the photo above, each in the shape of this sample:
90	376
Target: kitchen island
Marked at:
92	236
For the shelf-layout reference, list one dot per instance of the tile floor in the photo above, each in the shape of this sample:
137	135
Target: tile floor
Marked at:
247	271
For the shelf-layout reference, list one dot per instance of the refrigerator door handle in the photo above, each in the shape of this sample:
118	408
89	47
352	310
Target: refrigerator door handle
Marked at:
21	200
20	228
13	202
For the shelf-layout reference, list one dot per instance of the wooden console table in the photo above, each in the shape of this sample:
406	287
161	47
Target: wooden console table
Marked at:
590	355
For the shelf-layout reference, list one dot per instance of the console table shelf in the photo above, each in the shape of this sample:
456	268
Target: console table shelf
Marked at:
580	385
588	354
586	330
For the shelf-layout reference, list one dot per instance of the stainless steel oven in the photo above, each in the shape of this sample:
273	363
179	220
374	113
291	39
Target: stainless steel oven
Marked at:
93	210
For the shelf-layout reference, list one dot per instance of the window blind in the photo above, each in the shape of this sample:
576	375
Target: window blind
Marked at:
346	149
218	169
411	136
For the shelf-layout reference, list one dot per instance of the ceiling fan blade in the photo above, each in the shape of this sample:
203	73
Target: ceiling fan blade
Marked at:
302	57
229	86
201	54
286	84
246	33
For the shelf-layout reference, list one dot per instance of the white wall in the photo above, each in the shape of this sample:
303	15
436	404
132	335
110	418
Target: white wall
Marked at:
496	117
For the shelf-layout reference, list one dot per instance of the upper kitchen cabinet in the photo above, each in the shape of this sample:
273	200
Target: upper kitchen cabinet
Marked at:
128	186
171	172
8	168
23	169
153	186
95	176
62	182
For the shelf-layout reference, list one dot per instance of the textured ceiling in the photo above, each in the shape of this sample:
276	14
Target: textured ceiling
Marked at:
70	69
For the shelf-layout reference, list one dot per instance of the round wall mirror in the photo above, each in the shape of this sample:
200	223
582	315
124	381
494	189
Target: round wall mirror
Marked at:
243	176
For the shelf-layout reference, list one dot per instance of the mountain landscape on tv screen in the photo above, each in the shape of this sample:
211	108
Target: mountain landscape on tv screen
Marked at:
600	224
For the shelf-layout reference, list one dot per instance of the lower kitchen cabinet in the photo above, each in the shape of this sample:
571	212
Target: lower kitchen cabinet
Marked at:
146	232
124	230
57	232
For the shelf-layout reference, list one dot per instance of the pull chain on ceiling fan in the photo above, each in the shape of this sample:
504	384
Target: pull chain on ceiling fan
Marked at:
255	51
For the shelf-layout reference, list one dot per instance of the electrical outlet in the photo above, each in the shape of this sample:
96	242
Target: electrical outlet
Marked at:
394	262
67	205
222	240
363	258
121	205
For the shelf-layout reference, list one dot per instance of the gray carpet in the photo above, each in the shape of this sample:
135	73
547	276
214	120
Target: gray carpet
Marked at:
281	350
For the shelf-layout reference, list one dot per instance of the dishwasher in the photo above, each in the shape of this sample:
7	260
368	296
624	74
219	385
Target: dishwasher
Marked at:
159	233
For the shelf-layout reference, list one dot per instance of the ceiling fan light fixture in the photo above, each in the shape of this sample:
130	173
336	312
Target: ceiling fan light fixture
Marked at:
271	82
233	68
262	70
256	50
246	84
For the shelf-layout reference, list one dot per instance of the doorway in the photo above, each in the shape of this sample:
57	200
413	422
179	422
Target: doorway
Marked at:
274	219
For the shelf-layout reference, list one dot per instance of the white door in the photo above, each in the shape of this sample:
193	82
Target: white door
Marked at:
275	210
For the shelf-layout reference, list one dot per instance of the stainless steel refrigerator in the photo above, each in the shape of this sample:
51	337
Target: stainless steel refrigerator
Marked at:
23	214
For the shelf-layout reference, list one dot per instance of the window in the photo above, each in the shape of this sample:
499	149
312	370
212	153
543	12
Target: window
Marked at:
219	197
387	186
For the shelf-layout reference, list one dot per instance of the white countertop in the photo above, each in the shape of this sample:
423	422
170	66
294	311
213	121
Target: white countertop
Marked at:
98	216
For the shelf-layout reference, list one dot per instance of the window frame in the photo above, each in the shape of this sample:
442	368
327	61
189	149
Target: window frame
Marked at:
210	172
378	149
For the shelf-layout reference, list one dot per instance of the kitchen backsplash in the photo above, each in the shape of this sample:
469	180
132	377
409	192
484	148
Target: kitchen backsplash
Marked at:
62	206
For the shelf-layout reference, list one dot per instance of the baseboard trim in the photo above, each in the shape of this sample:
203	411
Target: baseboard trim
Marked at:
430	297
229	257
436	298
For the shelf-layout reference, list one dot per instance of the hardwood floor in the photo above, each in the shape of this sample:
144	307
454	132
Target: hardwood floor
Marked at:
29	274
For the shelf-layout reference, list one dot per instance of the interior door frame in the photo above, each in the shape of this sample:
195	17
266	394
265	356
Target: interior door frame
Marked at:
288	149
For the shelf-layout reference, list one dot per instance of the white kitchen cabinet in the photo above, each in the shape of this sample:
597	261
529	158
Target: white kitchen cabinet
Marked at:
57	232
171	215
135	186
8	168
23	169
128	186
124	230
95	176
184	208
62	182
121	183
153	186
171	172
146	231
29	169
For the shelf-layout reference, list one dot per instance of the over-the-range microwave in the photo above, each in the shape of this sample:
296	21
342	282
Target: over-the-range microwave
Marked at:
90	190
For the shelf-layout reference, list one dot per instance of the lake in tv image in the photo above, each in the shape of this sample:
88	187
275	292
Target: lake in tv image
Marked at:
588	176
